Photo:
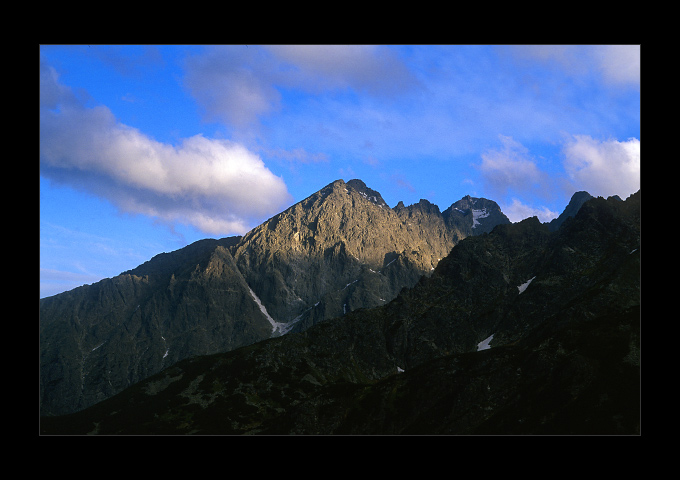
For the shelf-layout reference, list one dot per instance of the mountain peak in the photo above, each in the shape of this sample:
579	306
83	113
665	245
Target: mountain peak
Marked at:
483	214
368	193
468	202
575	203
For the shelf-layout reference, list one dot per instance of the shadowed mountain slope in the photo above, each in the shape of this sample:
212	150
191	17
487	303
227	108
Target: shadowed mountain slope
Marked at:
522	330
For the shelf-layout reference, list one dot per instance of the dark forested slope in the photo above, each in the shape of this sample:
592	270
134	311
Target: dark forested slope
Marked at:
521	330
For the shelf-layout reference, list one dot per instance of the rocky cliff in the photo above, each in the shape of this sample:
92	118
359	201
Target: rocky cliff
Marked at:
343	248
339	250
519	331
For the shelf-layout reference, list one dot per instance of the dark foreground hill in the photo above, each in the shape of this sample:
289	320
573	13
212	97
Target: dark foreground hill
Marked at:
519	331
338	250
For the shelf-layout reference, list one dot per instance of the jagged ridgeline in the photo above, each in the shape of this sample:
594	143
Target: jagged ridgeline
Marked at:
341	249
524	330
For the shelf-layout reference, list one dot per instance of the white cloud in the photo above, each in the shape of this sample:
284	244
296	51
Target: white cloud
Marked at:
217	186
229	85
617	65
603	168
240	85
517	211
52	93
510	168
372	68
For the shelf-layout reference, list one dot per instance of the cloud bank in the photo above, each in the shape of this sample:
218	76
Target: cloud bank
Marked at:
616	65
517	211
216	186
240	86
603	168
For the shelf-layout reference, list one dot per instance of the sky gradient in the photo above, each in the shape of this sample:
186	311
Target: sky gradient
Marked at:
145	149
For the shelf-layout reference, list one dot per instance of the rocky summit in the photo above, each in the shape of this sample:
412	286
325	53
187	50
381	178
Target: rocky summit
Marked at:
339	250
523	330
343	248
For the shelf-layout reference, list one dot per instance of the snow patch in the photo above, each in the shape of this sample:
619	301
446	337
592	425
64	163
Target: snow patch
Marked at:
524	286
167	349
371	198
476	214
484	344
276	326
284	328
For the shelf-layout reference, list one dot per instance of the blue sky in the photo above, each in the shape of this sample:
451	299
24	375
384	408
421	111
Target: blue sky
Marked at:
145	149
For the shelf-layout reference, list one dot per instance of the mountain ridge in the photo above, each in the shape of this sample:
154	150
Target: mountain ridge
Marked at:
340	249
558	310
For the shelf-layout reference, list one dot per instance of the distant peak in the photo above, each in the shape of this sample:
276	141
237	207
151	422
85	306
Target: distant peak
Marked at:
468	203
575	203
